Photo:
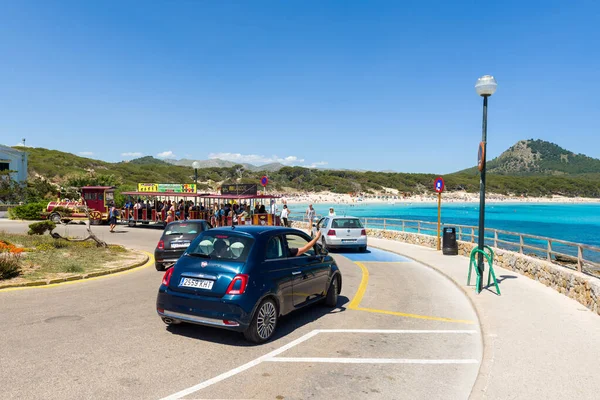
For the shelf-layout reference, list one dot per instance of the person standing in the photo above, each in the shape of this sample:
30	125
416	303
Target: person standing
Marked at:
310	213
331	212
112	214
284	216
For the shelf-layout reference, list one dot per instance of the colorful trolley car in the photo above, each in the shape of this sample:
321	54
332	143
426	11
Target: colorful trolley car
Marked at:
148	211
97	199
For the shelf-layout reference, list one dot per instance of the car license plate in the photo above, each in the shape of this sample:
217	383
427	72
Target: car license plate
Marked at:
179	245
348	240
196	283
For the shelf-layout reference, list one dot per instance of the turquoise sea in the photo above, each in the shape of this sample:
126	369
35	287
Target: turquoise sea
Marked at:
579	223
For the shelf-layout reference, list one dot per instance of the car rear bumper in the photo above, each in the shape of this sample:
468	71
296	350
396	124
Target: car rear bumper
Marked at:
343	243
207	311
167	256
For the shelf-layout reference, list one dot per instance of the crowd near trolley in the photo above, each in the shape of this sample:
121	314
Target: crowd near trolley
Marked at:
236	204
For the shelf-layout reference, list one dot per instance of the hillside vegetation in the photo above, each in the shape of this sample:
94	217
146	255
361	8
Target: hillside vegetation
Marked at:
538	157
530	168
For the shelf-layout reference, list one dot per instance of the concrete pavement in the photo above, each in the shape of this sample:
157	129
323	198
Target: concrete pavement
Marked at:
413	334
538	344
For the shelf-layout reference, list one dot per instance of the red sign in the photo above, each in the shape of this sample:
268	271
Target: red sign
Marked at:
481	156
439	185
264	180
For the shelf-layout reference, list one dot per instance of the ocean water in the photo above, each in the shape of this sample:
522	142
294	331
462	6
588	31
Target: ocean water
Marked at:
579	223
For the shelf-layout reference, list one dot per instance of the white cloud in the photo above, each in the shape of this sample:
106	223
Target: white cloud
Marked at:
131	154
166	154
86	153
256	159
317	164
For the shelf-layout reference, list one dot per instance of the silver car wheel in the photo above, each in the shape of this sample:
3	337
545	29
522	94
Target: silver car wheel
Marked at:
267	318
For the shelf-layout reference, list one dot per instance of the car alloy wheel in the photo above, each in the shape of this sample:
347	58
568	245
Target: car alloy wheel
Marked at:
266	320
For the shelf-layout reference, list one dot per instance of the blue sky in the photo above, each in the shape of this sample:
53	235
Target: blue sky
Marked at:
379	85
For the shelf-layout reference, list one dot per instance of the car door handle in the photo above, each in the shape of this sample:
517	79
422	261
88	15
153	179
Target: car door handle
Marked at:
296	273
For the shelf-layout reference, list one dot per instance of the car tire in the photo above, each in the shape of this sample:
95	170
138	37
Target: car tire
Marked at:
159	266
362	249
324	244
264	322
55	217
131	224
332	294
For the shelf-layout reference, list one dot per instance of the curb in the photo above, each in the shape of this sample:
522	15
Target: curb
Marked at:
487	348
81	277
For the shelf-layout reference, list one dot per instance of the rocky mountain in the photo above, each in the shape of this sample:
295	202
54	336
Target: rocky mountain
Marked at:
539	157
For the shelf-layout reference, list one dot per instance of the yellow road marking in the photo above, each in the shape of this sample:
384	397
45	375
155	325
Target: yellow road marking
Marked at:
399	314
147	264
362	288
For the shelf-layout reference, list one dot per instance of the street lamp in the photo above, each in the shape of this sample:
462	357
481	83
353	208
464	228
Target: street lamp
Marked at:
196	165
485	87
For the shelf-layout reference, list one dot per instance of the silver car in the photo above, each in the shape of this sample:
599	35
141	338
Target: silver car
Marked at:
341	233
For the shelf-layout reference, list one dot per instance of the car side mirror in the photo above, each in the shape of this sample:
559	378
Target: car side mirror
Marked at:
321	250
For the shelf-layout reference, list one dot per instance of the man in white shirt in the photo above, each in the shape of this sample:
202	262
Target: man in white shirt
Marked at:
274	208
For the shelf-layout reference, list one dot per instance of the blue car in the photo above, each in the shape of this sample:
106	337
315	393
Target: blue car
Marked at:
244	278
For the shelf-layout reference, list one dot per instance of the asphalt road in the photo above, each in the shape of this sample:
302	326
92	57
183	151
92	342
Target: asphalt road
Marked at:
406	332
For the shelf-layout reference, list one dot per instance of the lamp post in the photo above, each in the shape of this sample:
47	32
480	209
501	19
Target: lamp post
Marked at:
485	87
196	164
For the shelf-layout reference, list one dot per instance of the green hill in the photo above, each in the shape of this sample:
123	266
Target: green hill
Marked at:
538	157
541	178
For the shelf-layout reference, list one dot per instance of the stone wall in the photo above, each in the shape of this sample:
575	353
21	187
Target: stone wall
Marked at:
580	287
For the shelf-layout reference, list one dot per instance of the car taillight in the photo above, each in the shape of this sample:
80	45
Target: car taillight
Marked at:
160	245
331	232
167	277
238	284
363	232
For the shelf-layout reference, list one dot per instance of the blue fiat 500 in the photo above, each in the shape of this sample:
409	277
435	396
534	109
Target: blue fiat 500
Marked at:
244	278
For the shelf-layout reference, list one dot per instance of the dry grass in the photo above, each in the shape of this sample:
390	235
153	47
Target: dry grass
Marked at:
46	258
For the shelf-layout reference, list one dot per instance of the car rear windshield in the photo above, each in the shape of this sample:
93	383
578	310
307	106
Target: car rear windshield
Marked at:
221	246
346	223
188	228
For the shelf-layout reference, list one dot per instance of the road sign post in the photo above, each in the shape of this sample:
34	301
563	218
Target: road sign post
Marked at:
439	187
264	181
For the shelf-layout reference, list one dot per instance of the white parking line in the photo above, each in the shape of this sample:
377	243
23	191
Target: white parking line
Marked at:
341	360
271	357
413	331
242	368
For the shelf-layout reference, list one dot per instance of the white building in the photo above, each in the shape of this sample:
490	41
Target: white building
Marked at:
14	160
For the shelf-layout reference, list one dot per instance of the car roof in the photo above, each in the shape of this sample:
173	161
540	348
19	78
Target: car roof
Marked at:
343	217
187	221
255	230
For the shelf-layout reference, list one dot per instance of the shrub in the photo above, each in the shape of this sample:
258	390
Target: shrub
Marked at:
39	228
31	211
9	264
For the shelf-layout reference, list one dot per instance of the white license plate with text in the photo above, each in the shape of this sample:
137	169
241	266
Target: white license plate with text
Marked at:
179	245
196	283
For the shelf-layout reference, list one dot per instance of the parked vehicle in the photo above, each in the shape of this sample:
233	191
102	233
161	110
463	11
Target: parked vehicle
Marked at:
175	239
97	200
244	278
341	233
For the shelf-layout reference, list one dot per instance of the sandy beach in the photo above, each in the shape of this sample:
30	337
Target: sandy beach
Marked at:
456	197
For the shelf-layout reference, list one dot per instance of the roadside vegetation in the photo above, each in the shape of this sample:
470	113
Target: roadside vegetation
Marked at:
40	257
555	172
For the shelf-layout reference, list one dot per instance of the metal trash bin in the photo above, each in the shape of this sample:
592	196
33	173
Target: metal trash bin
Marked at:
449	246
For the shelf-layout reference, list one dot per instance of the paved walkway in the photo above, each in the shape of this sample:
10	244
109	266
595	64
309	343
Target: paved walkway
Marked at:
538	344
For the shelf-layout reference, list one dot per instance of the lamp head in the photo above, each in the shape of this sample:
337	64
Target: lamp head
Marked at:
486	85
